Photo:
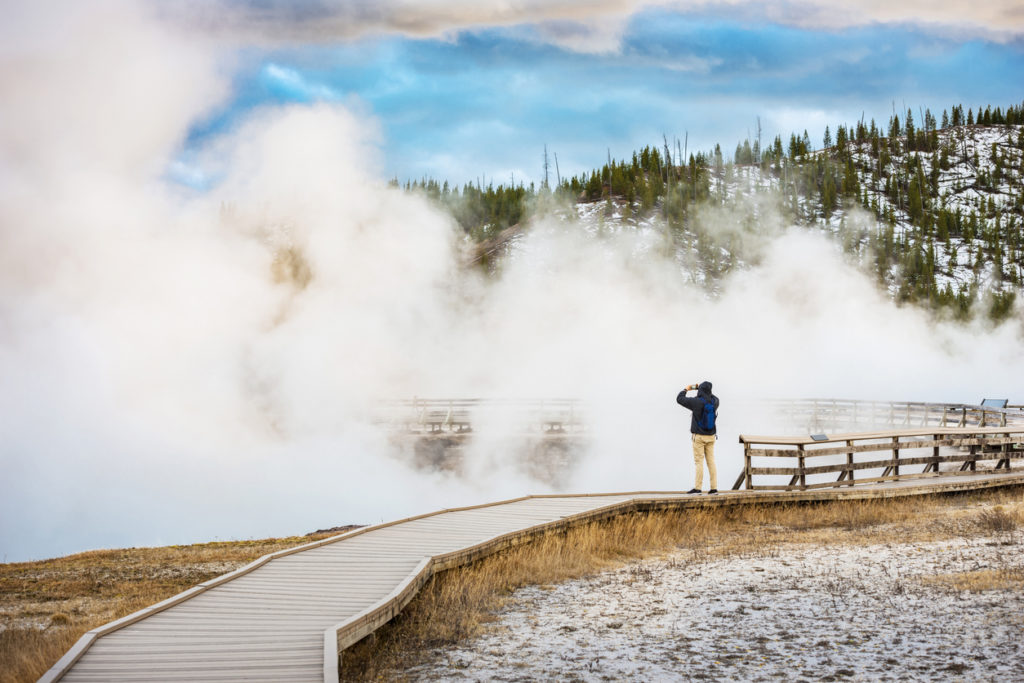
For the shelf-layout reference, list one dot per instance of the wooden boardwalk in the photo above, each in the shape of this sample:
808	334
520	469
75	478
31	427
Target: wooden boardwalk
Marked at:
287	616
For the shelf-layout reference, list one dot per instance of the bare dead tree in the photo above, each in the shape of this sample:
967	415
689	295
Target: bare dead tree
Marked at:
546	166
757	158
679	149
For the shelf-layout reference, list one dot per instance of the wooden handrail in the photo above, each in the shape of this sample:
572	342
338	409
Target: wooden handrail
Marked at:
809	440
969	446
828	413
434	415
437	415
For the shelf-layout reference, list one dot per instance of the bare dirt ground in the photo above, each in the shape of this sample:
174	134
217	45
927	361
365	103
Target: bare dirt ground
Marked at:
950	609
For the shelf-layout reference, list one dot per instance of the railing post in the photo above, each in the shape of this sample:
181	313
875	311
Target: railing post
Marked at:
745	474
1004	450
896	457
849	461
944	409
803	475
748	477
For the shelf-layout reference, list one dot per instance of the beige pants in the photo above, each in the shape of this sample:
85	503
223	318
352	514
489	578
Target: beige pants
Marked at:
704	449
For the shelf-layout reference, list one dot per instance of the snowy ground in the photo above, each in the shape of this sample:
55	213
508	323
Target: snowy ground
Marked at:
797	612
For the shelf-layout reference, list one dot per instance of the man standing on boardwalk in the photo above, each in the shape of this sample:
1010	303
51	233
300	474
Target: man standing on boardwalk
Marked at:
704	407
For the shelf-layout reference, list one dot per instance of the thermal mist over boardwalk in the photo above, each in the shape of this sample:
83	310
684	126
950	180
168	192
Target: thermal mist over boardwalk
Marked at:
181	366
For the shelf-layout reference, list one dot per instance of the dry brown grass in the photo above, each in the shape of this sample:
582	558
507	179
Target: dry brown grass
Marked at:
999	520
980	580
458	604
46	606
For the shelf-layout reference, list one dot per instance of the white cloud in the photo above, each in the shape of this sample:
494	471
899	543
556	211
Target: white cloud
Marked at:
589	26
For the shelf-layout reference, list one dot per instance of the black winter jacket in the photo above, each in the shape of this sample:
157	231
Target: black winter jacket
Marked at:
696	405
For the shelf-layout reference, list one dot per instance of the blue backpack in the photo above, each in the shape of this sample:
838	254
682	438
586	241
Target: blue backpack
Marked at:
707	416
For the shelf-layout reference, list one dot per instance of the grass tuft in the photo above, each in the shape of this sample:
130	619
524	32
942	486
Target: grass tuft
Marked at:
980	580
997	520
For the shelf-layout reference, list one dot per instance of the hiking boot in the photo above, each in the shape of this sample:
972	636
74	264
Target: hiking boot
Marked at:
694	491
713	491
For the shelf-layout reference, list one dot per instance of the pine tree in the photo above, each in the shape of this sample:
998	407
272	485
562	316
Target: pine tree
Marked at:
909	131
828	192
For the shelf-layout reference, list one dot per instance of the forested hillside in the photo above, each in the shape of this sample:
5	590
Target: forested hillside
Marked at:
933	206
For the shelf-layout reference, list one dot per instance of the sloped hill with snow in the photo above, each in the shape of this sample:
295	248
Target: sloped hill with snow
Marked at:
937	221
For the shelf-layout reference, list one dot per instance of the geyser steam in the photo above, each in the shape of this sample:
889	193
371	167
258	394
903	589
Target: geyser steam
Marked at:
185	366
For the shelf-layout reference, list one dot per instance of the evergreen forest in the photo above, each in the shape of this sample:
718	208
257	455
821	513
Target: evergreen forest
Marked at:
932	205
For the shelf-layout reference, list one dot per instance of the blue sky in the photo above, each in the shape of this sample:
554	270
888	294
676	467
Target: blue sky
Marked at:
483	102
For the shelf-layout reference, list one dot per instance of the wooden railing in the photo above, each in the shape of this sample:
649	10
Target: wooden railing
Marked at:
561	415
418	415
818	414
903	449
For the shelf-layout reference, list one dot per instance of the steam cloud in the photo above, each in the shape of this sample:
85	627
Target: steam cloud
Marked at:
180	367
